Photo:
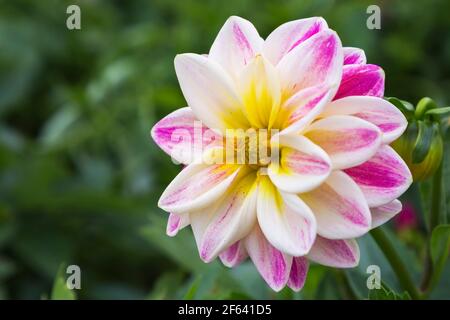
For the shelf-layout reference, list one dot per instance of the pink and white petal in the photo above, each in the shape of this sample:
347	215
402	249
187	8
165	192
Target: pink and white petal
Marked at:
237	43
384	213
176	222
361	80
273	265
210	92
335	253
315	61
289	35
339	207
230	220
380	112
383	178
354	56
286	221
234	254
302	166
197	186
348	140
299	271
302	108
181	135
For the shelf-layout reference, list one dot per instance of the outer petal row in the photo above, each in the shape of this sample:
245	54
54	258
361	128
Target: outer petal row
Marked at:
229	220
182	136
236	44
377	111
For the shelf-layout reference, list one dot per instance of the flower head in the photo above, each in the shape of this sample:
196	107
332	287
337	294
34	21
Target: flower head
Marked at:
316	170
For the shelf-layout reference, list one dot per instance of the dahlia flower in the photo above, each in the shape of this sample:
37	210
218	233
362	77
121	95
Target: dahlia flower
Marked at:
328	175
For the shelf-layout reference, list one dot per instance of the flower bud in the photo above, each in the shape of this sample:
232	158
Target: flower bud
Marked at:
421	147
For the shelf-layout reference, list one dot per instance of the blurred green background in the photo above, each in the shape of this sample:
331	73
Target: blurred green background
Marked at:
80	176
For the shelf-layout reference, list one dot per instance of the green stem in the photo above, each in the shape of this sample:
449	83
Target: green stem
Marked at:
436	195
434	216
396	263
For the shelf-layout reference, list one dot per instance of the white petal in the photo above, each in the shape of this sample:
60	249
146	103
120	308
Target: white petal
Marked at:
384	213
354	56
349	141
302	108
340	208
299	271
236	44
182	136
289	35
176	222
383	178
302	166
335	253
273	265
380	112
316	61
288	224
197	186
234	254
260	88
210	92
230	219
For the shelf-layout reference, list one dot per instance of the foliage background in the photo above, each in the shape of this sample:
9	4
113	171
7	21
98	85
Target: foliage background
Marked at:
80	177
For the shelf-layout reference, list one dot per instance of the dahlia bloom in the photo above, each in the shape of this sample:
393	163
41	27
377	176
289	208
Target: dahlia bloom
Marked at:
334	176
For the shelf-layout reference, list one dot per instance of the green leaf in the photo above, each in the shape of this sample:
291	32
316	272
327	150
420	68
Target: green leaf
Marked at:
60	290
425	104
440	245
404	106
438	111
423	142
386	293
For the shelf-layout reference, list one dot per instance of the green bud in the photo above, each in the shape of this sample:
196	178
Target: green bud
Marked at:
423	106
421	147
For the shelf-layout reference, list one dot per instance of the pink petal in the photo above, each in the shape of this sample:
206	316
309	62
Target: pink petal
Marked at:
197	186
234	255
335	253
182	136
232	218
384	213
383	178
315	61
273	265
349	141
375	110
299	271
236	44
289	35
302	166
361	80
340	208
175	223
354	56
302	108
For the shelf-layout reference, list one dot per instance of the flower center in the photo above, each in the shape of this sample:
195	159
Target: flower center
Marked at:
251	147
